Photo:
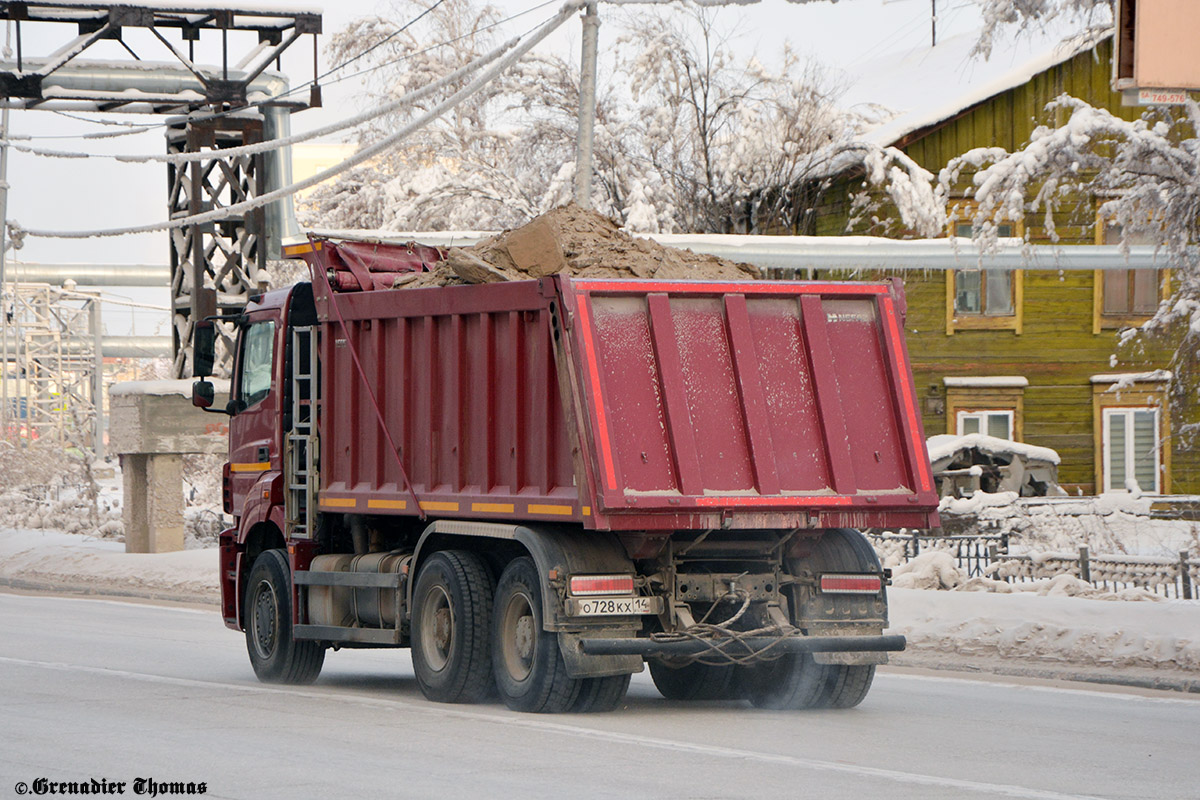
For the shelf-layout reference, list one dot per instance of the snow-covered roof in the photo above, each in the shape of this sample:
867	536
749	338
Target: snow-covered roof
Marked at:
945	444
985	381
927	85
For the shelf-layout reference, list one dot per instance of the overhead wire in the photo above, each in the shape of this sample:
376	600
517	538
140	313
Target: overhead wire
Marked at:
548	27
274	144
295	89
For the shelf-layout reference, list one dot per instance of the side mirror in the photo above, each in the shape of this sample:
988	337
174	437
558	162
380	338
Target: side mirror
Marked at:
204	345
203	394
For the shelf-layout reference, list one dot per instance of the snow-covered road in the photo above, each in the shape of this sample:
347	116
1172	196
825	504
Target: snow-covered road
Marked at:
114	690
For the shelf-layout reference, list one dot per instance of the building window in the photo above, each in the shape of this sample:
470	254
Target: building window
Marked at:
992	423
1131	449
1125	297
991	405
982	298
1131	420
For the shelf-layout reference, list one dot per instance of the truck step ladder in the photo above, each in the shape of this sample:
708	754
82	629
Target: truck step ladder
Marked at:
301	450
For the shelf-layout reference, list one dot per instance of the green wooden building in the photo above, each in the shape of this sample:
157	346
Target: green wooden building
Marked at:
1034	355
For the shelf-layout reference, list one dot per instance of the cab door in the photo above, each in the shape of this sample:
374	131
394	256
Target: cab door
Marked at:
255	396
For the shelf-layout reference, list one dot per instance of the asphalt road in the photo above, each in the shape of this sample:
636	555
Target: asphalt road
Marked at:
93	689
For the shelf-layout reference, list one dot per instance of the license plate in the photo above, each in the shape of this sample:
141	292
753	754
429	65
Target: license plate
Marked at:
611	606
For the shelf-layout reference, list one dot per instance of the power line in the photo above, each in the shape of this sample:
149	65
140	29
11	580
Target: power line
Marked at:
365	154
301	87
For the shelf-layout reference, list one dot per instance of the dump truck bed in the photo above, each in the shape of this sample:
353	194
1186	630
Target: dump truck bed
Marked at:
624	405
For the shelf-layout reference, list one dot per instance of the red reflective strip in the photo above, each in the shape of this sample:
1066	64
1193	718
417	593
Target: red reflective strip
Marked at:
602	584
906	391
589	352
850	584
748	287
786	500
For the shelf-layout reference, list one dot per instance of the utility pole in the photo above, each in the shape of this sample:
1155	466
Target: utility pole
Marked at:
933	22
97	331
4	409
587	107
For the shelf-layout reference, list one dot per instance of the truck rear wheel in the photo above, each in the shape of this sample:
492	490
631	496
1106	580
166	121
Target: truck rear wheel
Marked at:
530	671
845	550
790	682
597	695
452	613
693	681
274	654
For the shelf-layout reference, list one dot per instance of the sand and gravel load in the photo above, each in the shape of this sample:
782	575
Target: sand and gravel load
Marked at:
580	243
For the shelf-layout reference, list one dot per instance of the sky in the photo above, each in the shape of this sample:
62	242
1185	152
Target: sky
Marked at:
78	194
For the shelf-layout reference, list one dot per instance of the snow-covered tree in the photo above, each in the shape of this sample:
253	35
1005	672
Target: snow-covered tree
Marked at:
494	161
999	15
688	137
729	141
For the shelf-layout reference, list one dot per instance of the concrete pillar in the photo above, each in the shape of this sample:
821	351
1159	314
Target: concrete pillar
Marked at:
153	510
151	425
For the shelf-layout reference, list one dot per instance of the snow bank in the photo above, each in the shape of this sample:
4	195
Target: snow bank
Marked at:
1050	628
932	570
50	559
1116	523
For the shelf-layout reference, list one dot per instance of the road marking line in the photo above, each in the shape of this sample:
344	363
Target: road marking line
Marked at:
526	721
1120	691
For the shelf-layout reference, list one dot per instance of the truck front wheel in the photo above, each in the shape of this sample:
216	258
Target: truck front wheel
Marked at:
452	613
274	654
530	671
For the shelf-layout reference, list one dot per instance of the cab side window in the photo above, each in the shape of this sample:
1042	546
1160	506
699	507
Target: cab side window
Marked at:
258	348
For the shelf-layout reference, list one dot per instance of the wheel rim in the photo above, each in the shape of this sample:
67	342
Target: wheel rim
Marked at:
437	628
265	620
519	645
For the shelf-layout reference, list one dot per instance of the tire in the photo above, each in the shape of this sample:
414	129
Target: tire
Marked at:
274	654
847	684
531	674
790	682
693	681
844	550
452	613
598	695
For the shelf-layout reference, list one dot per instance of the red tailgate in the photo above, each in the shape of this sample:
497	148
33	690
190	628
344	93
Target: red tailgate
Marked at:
748	396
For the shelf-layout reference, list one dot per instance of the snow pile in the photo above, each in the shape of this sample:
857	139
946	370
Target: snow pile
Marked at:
932	570
578	242
51	559
1119	523
1051	628
945	444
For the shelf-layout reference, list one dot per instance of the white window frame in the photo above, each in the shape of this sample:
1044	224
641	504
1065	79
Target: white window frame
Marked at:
1128	412
982	414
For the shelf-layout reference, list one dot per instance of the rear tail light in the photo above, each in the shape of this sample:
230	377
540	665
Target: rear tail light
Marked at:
850	584
601	584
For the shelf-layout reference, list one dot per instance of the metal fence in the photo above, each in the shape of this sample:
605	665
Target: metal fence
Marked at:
973	554
988	555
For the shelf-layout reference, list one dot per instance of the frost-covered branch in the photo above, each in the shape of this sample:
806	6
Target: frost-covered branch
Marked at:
1030	14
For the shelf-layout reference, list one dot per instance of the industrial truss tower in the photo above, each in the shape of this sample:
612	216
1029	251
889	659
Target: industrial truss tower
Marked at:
214	266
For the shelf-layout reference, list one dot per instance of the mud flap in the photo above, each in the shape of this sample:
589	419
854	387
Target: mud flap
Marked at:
844	615
582	665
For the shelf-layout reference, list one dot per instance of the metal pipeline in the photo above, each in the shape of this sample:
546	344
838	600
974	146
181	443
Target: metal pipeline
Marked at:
146	84
110	346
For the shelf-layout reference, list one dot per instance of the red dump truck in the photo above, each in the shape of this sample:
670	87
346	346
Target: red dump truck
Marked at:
539	486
